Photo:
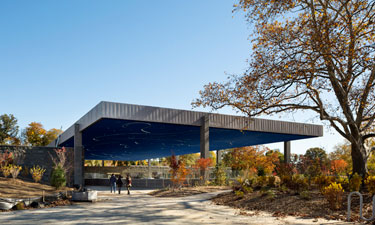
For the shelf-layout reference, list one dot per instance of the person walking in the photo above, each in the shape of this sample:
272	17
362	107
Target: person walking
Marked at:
112	182
119	184
128	183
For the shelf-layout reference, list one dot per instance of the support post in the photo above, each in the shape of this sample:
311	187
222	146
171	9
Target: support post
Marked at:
204	142
218	157
78	157
287	151
204	137
149	169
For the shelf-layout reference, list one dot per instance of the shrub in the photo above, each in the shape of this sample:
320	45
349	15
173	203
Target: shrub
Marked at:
6	158
344	181
305	195
355	182
271	181
25	172
299	182
283	188
239	193
14	170
37	173
286	180
333	193
220	175
323	181
5	170
270	194
247	189
262	181
370	183
58	179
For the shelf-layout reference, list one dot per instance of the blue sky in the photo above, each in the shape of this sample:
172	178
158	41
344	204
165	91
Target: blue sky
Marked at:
58	59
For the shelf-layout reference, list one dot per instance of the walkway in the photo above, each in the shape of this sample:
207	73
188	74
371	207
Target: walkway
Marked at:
140	208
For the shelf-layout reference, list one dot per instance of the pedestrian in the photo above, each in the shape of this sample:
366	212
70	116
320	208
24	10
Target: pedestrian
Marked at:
119	184
112	182
128	183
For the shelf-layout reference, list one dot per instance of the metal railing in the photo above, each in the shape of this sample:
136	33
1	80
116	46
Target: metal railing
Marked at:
361	206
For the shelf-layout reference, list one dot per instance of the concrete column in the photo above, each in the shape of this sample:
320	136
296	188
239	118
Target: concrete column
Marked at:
204	139
218	157
78	157
149	169
287	151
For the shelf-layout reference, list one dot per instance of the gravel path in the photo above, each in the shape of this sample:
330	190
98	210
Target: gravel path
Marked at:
140	208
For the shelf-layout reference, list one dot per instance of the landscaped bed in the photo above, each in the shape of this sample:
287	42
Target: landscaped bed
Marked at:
187	191
16	188
31	193
309	204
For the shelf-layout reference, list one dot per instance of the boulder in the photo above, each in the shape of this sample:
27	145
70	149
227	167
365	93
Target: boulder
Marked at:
85	196
6	205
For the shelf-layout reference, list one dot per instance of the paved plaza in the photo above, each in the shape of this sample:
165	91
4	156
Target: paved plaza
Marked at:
140	208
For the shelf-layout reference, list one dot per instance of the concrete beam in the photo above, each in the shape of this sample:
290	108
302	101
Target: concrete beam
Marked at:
287	151
204	137
78	157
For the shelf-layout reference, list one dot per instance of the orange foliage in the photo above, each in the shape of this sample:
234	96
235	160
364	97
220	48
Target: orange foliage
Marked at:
6	158
338	166
252	159
178	171
203	163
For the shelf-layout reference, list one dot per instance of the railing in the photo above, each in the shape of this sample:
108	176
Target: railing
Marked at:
361	206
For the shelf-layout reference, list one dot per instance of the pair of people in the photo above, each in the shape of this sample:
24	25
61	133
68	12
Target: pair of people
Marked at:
113	181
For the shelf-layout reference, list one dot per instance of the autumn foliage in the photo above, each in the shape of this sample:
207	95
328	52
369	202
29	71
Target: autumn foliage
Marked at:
178	171
6	158
338	166
308	55
253	160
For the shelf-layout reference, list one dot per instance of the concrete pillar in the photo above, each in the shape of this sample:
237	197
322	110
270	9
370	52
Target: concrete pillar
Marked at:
204	139
78	157
204	142
287	151
218	157
149	169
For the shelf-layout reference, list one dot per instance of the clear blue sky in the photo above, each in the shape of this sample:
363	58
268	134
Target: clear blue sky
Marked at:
58	59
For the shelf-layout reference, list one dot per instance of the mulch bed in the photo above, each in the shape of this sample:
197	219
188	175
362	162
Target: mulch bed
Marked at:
186	191
282	204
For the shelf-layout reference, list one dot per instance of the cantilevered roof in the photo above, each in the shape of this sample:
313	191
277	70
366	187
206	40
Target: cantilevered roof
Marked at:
118	131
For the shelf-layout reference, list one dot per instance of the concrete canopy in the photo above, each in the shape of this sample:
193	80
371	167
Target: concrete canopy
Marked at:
116	131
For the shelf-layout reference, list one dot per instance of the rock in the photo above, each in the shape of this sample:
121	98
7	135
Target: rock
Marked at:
6	205
19	206
37	205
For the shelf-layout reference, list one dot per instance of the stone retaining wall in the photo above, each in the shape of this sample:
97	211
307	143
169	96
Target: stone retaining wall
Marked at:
27	156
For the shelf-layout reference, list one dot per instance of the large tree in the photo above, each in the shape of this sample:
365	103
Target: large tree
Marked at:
313	55
8	129
36	135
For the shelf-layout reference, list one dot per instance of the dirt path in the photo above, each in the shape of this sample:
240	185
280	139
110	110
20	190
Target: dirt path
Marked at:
140	208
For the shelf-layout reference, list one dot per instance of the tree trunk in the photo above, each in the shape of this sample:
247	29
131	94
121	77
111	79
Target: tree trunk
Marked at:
359	159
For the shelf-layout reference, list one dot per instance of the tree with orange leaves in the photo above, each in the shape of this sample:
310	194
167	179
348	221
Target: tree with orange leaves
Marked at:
253	160
36	135
202	165
308	55
178	171
338	166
